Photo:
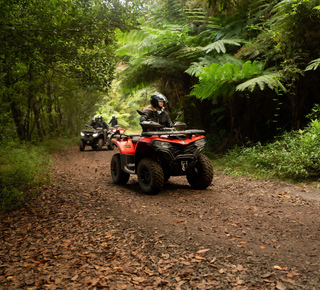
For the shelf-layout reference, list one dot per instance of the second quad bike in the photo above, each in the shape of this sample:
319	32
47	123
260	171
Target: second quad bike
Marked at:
158	153
96	138
116	130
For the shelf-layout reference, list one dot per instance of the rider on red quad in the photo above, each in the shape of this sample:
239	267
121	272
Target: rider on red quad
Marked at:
113	122
155	111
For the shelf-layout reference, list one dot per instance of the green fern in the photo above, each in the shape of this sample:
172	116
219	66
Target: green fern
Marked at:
313	65
220	45
130	42
270	80
217	80
159	62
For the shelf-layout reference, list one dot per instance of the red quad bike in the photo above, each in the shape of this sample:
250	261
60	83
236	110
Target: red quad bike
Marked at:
116	130
158	153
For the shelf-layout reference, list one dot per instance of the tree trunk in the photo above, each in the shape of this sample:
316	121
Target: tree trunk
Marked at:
49	109
14	107
35	106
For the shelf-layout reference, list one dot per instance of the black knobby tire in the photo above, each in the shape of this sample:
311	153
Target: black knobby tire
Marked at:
150	176
117	174
100	144
166	176
111	146
81	145
202	174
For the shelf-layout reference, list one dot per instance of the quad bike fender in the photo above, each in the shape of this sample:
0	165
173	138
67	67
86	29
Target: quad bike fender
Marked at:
186	141
124	146
143	149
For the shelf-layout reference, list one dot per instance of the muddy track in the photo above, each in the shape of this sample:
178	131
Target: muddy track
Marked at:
85	232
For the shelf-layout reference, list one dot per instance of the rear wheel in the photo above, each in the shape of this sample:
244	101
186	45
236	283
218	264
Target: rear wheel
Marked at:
117	174
202	174
81	145
150	176
100	144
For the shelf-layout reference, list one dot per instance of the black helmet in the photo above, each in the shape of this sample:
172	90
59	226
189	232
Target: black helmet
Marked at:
155	98
99	117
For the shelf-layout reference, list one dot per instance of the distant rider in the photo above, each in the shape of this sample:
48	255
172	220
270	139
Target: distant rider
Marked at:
155	111
94	123
113	122
102	124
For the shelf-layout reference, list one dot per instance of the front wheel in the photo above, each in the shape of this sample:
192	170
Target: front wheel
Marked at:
117	174
202	174
100	144
81	145
150	176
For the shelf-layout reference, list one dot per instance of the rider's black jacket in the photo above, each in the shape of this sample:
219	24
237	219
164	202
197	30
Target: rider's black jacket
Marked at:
153	115
94	125
113	122
102	124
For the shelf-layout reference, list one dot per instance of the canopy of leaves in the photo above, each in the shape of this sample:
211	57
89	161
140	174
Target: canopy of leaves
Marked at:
49	47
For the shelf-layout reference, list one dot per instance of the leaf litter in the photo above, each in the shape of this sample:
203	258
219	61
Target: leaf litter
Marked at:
84	232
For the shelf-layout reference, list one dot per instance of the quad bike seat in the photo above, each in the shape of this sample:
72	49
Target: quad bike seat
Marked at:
135	138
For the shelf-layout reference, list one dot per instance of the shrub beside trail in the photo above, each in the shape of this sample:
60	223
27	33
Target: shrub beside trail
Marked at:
294	156
23	168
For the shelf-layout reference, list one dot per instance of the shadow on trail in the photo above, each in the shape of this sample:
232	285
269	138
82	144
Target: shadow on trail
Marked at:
170	187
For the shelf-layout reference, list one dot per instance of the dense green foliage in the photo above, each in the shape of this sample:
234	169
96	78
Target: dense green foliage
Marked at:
56	59
22	168
242	70
293	156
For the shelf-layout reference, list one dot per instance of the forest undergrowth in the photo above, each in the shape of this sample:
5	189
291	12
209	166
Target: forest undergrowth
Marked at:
293	157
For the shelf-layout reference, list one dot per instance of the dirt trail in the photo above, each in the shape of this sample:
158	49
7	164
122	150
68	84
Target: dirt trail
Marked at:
84	232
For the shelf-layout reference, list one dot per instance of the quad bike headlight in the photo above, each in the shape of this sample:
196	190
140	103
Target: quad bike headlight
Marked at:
200	143
95	134
161	144
82	134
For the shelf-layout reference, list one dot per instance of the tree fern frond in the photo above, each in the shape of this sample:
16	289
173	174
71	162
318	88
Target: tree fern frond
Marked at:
194	69
132	37
250	69
313	65
191	53
260	8
218	80
219	45
159	62
197	15
270	80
